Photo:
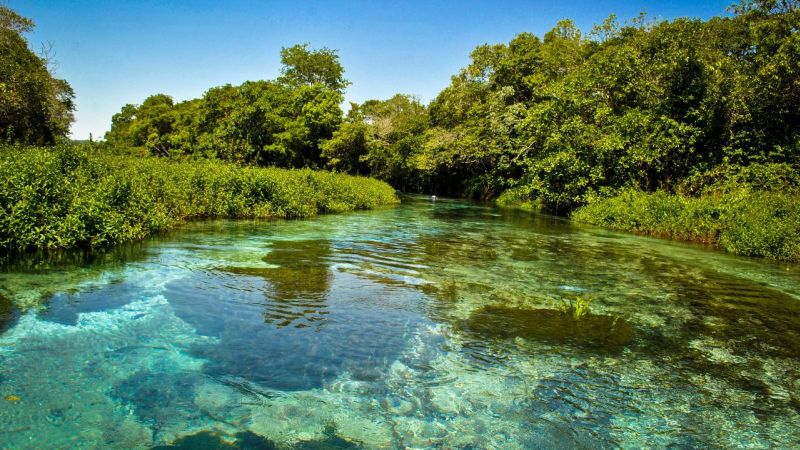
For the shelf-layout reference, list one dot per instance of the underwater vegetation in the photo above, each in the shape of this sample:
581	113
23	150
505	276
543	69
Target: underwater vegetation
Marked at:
206	440
597	332
449	290
247	440
8	313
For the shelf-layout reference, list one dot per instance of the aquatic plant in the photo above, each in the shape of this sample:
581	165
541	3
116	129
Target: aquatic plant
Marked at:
597	332
449	290
247	440
208	440
577	308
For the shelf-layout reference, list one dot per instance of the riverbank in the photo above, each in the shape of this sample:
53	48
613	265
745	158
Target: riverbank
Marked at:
75	196
743	222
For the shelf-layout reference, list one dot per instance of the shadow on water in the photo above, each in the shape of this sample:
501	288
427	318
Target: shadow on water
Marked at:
69	282
44	262
478	216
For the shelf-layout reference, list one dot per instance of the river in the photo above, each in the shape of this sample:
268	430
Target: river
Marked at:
428	325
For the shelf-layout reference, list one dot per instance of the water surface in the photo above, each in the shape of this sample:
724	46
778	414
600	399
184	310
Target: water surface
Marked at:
428	325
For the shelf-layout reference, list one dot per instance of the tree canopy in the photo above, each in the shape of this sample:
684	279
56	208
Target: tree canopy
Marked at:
557	119
304	67
571	116
35	107
280	122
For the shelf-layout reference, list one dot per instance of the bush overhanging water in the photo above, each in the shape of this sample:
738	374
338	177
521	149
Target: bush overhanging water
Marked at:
744	222
70	196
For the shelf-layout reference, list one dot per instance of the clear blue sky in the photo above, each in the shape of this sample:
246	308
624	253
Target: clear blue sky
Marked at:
118	52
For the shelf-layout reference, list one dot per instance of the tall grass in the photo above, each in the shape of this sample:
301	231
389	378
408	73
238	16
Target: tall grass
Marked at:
72	196
742	220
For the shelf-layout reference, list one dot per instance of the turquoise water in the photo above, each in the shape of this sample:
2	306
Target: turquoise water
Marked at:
428	325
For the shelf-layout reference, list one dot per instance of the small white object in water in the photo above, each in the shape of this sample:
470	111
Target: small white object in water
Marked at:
433	198
565	287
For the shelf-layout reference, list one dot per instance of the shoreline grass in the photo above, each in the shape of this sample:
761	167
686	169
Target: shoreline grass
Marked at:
73	196
743	221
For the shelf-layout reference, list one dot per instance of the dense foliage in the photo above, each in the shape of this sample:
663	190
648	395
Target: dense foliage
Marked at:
684	128
753	211
567	118
278	123
552	121
382	139
35	107
71	196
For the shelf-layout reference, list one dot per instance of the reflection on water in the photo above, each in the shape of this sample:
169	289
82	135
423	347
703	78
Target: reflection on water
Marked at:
297	285
316	323
31	279
430	325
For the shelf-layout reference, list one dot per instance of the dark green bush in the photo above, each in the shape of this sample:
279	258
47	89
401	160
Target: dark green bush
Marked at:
71	196
756	177
518	198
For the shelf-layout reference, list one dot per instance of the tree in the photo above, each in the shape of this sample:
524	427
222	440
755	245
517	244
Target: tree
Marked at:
382	138
35	107
646	104
282	122
347	147
304	67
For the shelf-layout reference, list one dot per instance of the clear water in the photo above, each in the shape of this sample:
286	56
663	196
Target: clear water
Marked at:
428	325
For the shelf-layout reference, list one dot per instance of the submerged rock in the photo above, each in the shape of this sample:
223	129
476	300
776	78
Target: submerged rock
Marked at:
154	396
246	440
206	440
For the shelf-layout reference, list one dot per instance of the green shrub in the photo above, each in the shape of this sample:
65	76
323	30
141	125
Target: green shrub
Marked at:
770	177
763	224
744	221
518	198
71	196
